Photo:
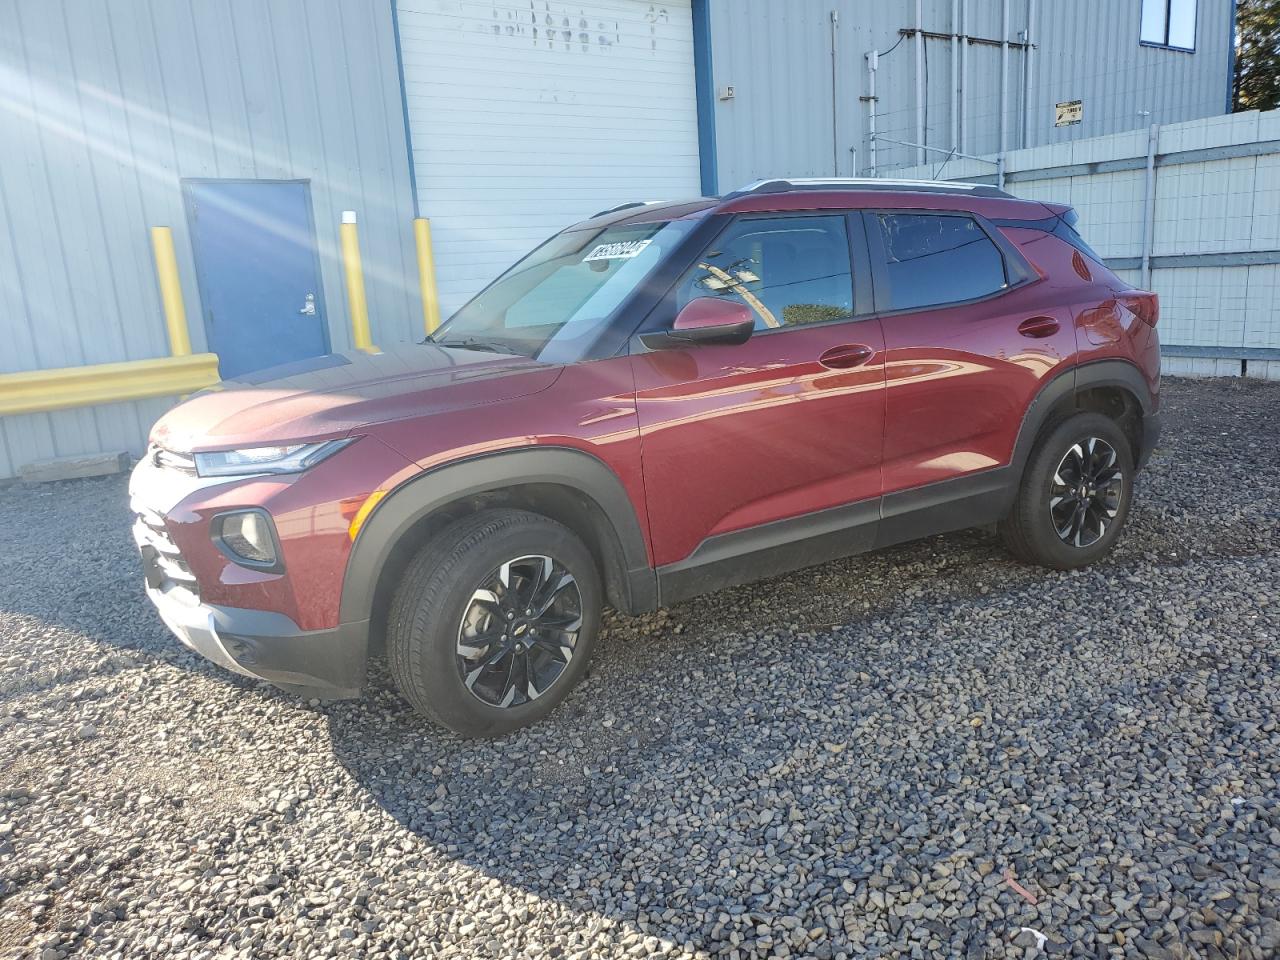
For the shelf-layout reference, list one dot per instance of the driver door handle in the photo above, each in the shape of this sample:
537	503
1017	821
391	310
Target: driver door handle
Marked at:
846	355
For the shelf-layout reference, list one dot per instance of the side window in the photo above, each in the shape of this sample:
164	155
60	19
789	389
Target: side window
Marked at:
933	259
788	270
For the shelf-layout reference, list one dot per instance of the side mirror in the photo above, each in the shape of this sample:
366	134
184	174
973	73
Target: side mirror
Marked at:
711	320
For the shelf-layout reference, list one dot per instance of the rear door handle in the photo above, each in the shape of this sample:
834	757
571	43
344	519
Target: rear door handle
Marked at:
846	355
1038	327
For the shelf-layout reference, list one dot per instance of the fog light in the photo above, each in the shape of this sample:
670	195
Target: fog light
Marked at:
248	536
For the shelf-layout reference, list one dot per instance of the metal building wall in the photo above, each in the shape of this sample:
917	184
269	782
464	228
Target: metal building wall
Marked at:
104	107
778	58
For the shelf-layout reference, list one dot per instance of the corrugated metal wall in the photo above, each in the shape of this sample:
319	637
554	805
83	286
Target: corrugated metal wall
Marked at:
778	58
104	107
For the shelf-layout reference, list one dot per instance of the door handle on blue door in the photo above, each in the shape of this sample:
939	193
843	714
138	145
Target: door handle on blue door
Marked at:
846	355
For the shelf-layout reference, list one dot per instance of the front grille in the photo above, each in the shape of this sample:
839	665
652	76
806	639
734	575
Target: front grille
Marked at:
161	559
171	460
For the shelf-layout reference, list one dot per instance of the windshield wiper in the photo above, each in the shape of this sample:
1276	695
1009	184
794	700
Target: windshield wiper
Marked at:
475	343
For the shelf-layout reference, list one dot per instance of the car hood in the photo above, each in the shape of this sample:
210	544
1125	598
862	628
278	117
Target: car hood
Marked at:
339	393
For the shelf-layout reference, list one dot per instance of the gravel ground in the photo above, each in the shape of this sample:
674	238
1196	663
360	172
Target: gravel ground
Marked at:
850	761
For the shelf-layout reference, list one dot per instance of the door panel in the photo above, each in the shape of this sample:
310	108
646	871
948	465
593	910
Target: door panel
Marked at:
255	252
736	436
959	380
787	424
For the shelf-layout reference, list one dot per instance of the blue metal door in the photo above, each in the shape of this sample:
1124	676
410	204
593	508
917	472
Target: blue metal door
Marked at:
259	275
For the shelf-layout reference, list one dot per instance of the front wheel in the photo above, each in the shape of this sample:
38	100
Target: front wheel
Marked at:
1075	494
494	622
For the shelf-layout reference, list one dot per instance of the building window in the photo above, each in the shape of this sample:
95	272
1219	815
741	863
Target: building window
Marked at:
1169	23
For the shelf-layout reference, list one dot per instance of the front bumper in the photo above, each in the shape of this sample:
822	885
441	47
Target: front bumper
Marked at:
267	645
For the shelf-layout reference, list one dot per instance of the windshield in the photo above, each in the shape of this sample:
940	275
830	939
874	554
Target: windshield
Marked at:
551	304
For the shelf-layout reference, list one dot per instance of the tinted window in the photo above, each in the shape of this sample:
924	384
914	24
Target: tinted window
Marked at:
788	270
936	259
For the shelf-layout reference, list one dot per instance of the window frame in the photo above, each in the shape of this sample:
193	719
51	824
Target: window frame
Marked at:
1168	18
1018	272
663	314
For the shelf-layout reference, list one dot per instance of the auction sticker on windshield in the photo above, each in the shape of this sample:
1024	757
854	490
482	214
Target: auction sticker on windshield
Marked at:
622	250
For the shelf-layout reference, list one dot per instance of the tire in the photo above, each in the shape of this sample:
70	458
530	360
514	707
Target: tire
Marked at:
1047	525
459	588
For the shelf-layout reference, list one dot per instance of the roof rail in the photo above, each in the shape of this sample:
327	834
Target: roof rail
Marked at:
625	206
779	185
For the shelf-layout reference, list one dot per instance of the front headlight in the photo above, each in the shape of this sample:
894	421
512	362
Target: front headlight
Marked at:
293	458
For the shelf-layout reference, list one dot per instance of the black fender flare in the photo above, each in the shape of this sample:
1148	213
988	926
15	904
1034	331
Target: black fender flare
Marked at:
1068	384
432	490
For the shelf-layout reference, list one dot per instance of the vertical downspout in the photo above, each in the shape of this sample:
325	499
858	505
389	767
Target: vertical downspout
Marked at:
1149	205
955	74
1004	77
964	74
835	120
873	61
1026	75
920	91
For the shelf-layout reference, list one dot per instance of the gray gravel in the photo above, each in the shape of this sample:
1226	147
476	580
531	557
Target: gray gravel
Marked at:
847	761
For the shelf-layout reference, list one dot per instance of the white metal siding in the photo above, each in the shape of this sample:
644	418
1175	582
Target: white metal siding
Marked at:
528	117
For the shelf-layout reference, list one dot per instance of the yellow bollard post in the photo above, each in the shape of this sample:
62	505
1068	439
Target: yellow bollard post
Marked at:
427	275
357	306
175	311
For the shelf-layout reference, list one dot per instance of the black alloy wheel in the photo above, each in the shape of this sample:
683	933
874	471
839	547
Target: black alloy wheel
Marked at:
494	621
1087	486
519	631
1074	493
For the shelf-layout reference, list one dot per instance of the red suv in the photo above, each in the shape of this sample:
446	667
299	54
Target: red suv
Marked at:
660	401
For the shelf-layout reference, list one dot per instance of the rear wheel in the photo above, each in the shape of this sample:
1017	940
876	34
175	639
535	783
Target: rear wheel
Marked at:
494	622
1075	494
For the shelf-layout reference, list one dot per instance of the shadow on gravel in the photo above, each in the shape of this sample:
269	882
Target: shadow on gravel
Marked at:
762	720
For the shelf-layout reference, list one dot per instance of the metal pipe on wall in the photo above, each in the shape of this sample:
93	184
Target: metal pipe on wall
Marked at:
964	74
1026	75
1004	77
1149	205
920	91
873	61
955	74
835	122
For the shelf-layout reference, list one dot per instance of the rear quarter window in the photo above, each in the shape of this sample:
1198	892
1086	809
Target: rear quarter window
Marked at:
933	259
